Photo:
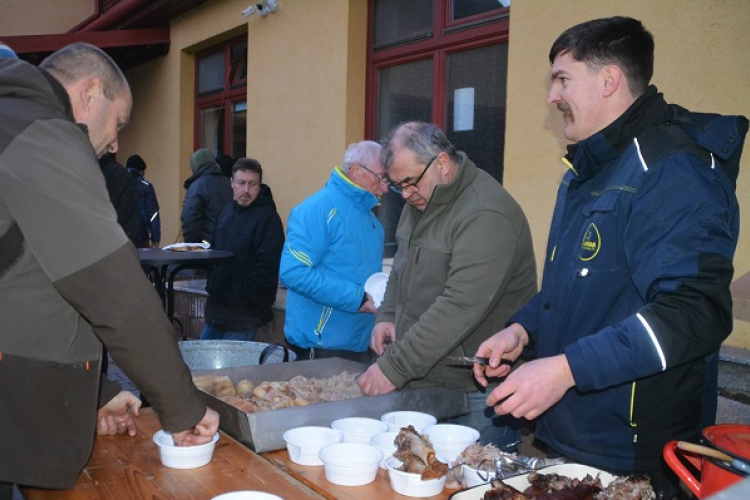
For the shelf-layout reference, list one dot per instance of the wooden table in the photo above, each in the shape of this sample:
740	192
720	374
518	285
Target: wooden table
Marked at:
314	477
128	468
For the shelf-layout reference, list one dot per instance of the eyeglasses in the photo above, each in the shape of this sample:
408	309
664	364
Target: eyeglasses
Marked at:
382	178
399	187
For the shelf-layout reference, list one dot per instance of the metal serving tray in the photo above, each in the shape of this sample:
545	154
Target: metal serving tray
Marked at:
263	431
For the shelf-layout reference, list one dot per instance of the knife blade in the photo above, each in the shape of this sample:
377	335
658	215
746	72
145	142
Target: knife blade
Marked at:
469	360
480	360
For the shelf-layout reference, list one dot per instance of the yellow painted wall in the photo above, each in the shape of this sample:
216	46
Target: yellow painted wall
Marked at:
161	128
306	82
306	101
702	63
42	17
306	88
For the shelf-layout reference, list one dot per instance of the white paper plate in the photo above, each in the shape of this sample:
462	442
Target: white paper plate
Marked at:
375	286
520	483
177	246
247	495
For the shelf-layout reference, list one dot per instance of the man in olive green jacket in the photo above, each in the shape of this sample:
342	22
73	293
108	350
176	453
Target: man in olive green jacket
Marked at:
71	281
464	264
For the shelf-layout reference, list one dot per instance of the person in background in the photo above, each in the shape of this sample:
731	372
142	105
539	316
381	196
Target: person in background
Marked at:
241	292
334	243
70	281
465	262
635	298
7	52
124	198
208	192
149	206
225	163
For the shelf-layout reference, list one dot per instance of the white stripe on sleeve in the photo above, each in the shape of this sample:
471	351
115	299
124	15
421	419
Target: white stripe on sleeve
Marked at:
654	340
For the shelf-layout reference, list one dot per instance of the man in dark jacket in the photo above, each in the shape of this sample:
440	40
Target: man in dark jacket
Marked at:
124	198
70	281
242	291
208	192
635	299
150	235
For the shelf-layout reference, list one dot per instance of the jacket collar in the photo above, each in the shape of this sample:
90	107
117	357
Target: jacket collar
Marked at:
591	155
358	195
447	193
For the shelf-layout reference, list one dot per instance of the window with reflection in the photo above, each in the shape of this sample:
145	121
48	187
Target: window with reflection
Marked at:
453	76
404	94
398	21
221	98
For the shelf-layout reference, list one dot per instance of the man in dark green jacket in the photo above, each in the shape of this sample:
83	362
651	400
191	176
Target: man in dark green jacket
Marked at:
464	264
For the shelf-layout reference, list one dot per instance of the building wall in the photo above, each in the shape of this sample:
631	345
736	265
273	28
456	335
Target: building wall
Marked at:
702	63
306	80
42	17
306	87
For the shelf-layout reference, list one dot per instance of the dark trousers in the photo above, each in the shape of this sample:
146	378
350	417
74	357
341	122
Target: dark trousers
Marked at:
317	353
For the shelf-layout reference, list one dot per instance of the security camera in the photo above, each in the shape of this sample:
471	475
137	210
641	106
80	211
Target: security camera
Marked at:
263	8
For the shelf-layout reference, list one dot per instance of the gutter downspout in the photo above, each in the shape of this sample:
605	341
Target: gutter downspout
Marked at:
99	22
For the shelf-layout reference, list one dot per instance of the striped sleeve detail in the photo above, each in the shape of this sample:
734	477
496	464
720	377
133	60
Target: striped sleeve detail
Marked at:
301	256
331	215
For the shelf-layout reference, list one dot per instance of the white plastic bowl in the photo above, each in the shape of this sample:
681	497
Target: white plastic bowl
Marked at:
384	442
410	484
247	495
449	440
359	429
351	464
304	443
471	477
183	457
375	286
398	419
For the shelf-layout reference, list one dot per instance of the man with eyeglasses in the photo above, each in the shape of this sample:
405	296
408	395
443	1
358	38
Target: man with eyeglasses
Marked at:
464	263
241	293
334	243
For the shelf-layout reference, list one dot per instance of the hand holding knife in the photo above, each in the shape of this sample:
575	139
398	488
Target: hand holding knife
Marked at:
480	360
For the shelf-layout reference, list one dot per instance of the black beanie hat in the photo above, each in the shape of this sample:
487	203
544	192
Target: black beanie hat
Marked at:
136	162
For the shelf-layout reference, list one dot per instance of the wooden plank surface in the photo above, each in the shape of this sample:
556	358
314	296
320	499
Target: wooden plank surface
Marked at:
314	477
128	468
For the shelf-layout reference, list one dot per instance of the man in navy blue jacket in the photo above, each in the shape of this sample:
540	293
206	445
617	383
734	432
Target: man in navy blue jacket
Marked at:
635	299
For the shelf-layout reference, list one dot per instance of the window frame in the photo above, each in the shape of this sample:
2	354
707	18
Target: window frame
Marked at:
233	91
468	33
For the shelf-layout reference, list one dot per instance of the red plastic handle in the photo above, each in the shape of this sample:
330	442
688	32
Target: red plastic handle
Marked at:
670	455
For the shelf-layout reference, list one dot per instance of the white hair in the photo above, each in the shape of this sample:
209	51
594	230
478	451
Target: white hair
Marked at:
364	153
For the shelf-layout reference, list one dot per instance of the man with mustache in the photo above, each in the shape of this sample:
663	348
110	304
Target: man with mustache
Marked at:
635	299
241	292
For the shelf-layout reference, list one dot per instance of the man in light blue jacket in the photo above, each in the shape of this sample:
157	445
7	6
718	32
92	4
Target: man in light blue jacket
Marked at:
334	243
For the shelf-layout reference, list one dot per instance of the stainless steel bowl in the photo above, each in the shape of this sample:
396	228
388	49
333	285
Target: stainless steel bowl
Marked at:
200	355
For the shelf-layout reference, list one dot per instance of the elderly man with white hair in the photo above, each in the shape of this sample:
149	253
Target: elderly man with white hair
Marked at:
334	243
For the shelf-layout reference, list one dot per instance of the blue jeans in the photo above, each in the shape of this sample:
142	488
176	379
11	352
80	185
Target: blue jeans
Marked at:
502	431
213	333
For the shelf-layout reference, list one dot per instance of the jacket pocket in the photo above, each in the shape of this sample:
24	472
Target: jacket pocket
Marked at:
47	419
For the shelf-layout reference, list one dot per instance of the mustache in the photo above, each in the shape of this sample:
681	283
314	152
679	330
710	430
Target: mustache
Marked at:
563	108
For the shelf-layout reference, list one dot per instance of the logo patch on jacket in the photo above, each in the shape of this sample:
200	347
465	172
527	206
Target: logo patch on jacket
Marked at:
592	242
